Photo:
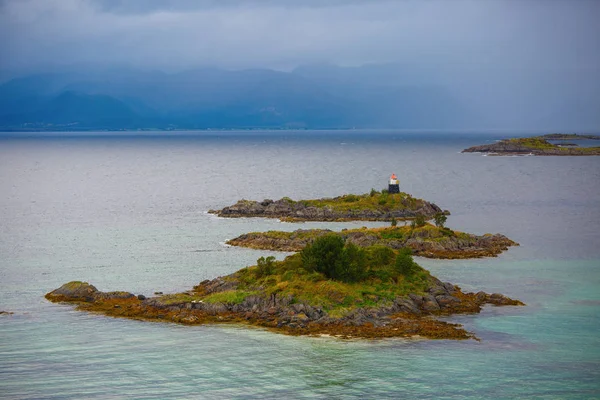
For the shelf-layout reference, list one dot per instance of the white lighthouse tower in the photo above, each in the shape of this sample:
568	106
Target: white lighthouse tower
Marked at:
394	186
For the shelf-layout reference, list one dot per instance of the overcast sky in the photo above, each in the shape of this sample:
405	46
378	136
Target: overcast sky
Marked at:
281	34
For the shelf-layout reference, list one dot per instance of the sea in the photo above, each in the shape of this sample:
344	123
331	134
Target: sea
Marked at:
128	211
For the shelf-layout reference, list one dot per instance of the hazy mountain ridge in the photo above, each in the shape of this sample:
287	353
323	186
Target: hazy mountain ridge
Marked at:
312	97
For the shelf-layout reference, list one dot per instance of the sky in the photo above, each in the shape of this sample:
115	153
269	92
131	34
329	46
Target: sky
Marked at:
170	35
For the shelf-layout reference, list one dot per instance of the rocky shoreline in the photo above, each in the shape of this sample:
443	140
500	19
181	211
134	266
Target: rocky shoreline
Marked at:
376	207
538	146
408	316
428	241
569	136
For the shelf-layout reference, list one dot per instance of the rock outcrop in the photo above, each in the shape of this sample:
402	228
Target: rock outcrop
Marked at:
77	291
336	209
404	316
538	146
429	241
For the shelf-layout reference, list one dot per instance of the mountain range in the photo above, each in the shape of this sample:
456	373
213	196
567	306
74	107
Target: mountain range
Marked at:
309	97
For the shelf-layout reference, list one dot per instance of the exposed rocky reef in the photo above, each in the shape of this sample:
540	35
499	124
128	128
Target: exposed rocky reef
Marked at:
410	315
538	146
569	136
426	241
376	206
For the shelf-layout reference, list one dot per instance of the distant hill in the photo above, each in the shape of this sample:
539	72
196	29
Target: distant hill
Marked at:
312	97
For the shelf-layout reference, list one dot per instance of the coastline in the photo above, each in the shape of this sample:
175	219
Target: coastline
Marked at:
537	146
373	206
413	315
427	241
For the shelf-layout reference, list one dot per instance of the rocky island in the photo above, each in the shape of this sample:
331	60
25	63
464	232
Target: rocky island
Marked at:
331	287
427	240
374	206
539	146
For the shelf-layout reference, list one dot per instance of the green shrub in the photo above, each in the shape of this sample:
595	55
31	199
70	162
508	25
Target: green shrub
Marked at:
373	193
335	259
394	222
351	198
381	256
419	221
353	265
265	266
322	254
440	220
405	265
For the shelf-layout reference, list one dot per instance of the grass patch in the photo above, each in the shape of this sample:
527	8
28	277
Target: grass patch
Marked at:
228	297
178	298
382	201
533	143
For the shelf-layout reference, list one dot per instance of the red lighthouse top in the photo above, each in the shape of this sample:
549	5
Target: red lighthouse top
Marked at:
393	176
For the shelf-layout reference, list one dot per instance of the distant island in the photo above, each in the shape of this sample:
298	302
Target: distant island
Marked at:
427	240
332	287
373	206
539	146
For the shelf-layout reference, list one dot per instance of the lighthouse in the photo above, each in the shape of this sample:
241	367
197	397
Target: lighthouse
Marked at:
394	186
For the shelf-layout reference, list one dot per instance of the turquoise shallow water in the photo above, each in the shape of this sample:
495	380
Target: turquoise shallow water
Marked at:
130	213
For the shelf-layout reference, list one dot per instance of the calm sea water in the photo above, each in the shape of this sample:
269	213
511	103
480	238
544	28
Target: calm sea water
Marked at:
126	212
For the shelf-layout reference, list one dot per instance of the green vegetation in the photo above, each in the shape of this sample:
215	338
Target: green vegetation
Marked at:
394	233
540	143
426	240
569	136
394	222
440	220
334	274
265	266
178	298
335	259
228	296
374	200
404	264
383	236
418	222
533	142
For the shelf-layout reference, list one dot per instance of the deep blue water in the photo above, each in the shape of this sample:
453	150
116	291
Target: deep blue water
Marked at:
129	212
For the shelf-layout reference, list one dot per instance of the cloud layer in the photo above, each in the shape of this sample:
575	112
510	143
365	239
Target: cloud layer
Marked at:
282	34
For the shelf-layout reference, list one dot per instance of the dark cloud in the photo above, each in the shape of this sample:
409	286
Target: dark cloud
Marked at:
150	6
281	34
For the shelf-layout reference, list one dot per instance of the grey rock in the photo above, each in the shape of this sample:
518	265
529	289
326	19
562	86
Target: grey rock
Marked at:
446	300
409	305
430	304
450	288
75	291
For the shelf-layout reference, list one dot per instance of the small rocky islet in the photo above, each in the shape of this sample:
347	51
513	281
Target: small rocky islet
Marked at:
374	206
426	241
360	283
539	146
300	303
